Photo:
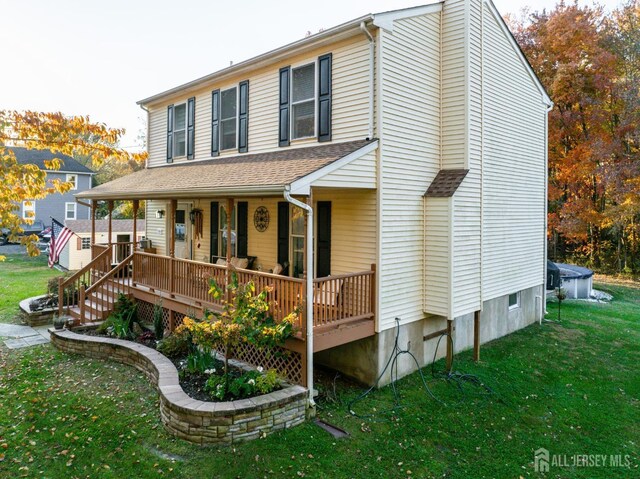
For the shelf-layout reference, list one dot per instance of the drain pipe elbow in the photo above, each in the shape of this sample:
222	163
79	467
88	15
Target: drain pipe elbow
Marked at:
309	288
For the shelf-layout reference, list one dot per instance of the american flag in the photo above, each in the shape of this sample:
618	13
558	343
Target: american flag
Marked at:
60	235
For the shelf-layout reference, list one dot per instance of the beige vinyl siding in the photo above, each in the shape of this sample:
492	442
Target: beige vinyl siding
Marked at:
410	131
514	175
360	173
438	250
157	228
264	244
454	84
466	288
353	228
350	76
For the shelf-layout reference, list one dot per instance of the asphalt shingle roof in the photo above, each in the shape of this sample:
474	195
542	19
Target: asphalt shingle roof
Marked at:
446	183
259	170
102	226
26	156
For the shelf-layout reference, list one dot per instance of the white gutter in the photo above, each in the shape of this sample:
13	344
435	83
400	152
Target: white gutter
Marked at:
364	29
309	287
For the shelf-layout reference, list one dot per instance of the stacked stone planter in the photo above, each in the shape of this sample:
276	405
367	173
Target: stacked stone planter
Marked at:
37	318
195	421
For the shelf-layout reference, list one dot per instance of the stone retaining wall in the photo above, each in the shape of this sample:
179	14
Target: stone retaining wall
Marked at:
195	421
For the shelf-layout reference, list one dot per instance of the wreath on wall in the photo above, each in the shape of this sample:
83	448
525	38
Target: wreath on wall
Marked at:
261	218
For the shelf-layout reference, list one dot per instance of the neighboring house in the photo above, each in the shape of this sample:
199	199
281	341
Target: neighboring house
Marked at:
59	206
417	137
77	253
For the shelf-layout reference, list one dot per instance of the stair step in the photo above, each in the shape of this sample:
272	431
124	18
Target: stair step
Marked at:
88	315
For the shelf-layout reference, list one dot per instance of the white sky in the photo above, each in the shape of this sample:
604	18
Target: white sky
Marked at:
84	57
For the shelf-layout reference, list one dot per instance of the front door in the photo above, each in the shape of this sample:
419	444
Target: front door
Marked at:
183	232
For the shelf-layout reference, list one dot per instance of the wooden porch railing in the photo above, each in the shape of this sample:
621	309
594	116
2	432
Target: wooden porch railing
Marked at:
69	288
343	298
104	292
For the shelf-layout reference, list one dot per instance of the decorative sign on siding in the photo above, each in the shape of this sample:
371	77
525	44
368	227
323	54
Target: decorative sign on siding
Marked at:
261	218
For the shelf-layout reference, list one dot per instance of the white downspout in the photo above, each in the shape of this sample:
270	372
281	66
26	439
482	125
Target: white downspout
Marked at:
543	309
364	29
309	287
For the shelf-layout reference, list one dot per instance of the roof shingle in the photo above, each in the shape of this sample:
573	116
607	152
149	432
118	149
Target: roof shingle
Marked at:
259	171
26	156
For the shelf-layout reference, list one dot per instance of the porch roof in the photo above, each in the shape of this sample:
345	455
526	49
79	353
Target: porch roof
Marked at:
253	174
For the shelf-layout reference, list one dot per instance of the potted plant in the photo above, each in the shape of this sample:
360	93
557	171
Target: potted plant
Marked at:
59	322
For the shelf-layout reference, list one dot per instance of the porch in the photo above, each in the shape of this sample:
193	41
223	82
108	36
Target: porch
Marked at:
302	228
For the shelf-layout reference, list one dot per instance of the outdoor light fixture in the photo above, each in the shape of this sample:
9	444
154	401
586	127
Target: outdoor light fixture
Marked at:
160	214
192	216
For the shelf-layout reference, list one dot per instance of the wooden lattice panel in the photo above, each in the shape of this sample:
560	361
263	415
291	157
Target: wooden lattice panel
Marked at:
287	363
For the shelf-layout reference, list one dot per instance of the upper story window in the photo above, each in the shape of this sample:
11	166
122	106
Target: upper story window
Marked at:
73	179
181	130
228	118
29	210
303	101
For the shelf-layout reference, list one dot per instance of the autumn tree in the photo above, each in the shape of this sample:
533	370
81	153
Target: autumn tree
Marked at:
580	55
67	135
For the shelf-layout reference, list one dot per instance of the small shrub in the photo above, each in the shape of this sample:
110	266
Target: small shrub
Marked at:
158	323
147	338
216	386
174	345
246	385
199	361
267	382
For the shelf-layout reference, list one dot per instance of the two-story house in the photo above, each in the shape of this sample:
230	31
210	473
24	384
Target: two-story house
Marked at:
390	167
61	206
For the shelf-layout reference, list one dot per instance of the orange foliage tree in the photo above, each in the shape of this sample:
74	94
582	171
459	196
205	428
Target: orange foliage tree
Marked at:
67	135
588	62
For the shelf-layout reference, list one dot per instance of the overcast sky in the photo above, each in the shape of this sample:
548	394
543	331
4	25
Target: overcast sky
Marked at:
98	58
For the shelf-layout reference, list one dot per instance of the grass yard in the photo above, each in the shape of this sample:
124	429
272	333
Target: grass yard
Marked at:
22	277
572	387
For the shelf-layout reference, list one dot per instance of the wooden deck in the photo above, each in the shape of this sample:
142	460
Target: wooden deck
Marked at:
343	305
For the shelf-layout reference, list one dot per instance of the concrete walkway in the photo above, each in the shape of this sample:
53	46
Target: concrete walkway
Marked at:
23	336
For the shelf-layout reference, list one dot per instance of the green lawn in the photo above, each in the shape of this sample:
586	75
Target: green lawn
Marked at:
572	387
22	277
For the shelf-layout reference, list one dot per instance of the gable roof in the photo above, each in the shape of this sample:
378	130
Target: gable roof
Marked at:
26	156
251	174
102	226
325	37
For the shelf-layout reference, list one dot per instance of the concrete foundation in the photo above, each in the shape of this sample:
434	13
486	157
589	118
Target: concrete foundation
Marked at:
365	360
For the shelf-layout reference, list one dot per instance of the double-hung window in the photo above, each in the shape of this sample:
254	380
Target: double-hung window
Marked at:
73	179
297	242
303	101
70	211
228	118
223	218
29	210
180	130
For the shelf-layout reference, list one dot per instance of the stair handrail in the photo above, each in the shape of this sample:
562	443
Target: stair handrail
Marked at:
86	293
63	283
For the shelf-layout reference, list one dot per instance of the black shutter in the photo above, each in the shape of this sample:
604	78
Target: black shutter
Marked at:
283	235
324	97
283	135
323	259
213	228
170	134
243	118
191	126
215	123
243	230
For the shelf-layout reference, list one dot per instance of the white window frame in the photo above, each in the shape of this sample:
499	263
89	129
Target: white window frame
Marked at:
291	238
174	130
235	143
85	241
222	232
75	180
66	210
30	207
315	100
517	303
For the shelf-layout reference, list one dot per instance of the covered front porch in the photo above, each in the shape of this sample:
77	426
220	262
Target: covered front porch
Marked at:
323	270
